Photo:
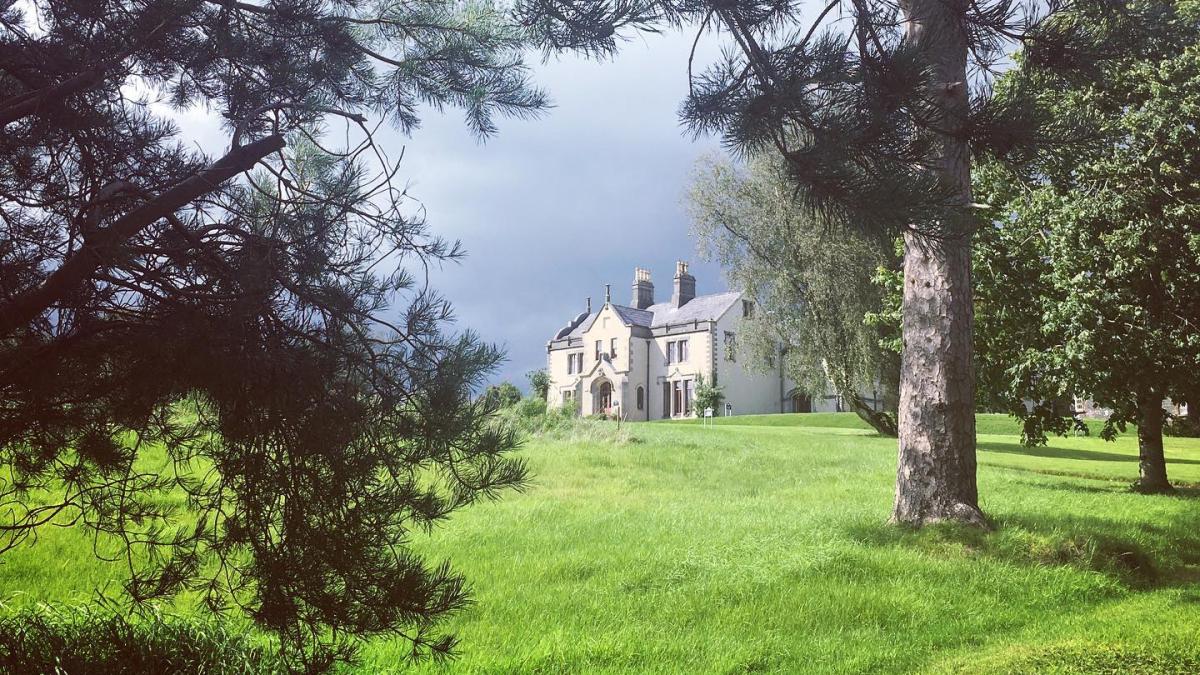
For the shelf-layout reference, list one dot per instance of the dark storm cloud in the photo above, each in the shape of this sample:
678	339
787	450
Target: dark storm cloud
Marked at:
552	209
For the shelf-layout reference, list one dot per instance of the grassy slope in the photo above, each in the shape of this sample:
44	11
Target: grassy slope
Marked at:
761	545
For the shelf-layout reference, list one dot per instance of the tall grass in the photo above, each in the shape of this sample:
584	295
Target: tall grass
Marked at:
82	641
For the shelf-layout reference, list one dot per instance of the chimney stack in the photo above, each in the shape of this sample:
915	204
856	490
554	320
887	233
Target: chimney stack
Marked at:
643	289
589	310
685	285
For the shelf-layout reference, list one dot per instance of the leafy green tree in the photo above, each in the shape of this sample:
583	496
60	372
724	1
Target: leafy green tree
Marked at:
251	313
503	395
870	105
1108	245
707	395
539	382
812	281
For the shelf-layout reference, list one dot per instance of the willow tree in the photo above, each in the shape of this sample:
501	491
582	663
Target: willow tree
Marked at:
239	322
877	107
812	281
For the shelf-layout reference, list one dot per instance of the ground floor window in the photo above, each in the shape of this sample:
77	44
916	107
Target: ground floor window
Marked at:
641	398
666	400
681	392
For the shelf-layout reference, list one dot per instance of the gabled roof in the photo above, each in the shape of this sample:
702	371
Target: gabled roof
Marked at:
699	308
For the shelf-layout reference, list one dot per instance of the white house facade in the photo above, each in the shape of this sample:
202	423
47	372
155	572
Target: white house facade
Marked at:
642	361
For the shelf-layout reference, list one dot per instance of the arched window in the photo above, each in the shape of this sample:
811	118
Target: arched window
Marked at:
641	398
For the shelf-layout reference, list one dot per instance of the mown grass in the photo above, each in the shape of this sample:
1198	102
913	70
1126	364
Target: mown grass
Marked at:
760	544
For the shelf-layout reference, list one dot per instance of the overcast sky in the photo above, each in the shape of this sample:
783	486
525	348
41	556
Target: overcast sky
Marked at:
552	209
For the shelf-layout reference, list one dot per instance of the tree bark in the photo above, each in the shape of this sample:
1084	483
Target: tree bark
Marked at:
883	423
935	477
1152	464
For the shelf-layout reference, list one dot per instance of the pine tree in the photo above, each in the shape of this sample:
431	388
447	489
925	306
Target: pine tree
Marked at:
256	315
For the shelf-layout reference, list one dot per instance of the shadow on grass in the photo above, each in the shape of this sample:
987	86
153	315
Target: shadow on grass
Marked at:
1112	487
1140	556
1070	453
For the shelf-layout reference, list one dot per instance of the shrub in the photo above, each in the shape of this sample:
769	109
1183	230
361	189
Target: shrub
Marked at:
1183	426
707	396
82	641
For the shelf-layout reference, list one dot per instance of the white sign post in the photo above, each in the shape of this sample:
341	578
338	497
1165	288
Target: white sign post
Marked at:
707	421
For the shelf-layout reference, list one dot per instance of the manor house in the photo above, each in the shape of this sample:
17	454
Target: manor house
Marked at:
643	360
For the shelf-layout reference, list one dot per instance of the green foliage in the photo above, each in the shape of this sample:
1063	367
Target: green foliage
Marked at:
503	395
535	418
1088	281
707	395
82	641
539	382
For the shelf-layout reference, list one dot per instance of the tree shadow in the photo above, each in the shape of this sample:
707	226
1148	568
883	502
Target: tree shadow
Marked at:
1110	487
1140	556
1069	453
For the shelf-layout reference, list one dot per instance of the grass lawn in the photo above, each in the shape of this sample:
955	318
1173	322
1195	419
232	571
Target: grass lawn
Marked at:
760	544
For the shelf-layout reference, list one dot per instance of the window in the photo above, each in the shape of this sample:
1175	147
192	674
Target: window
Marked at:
676	397
666	409
687	397
730	346
677	351
641	398
575	363
598	343
612	349
747	309
568	396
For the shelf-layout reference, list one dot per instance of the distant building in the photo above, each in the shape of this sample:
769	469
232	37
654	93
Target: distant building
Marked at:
643	360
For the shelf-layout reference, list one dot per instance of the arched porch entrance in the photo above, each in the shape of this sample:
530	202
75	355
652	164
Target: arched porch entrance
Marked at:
602	396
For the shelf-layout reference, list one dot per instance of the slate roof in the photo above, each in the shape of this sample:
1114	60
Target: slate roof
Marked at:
699	308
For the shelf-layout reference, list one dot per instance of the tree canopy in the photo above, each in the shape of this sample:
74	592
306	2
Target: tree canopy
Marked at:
1104	246
247	326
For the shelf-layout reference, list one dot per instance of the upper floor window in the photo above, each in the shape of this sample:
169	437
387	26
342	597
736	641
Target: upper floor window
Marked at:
574	363
677	351
747	309
730	346
612	348
599	343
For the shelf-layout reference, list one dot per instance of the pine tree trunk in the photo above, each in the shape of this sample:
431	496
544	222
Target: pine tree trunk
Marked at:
1152	464
935	478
